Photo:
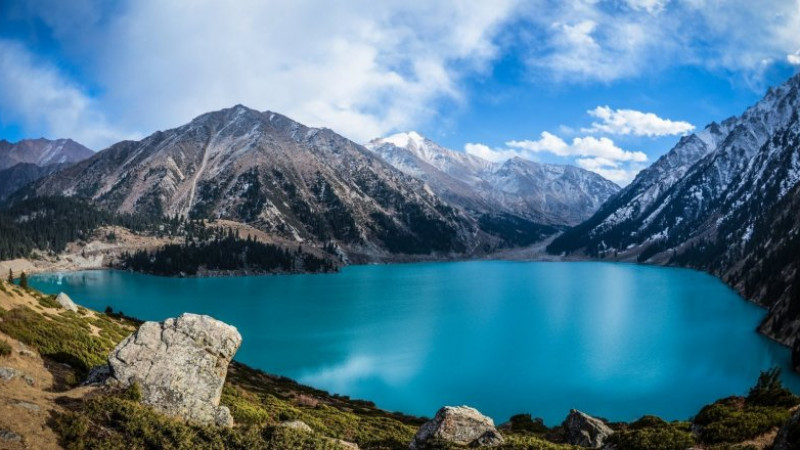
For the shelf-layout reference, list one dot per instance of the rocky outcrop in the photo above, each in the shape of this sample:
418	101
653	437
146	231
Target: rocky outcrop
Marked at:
180	366
585	430
10	373
66	302
298	425
789	434
460	425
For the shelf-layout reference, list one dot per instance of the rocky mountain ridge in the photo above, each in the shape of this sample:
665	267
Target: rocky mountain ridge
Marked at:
723	200
28	160
264	169
556	195
41	152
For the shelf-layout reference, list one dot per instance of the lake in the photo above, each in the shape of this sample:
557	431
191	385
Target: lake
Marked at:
614	340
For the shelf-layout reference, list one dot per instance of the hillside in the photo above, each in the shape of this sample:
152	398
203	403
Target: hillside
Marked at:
722	200
266	170
41	152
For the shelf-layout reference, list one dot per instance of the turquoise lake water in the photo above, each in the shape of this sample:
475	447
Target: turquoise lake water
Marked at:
614	340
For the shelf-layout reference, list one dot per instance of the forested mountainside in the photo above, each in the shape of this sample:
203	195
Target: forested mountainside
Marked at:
723	200
555	195
299	183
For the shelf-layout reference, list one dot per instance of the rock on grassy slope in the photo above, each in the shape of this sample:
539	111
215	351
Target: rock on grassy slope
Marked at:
50	351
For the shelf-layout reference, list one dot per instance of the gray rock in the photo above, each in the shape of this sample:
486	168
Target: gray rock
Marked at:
66	302
10	373
585	430
180	365
32	407
298	425
784	440
460	425
9	436
98	375
344	444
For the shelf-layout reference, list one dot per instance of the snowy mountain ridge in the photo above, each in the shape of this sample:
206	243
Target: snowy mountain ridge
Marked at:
545	193
725	200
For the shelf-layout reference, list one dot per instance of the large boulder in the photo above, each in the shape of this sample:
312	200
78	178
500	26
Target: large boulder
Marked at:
180	366
789	435
585	430
460	425
66	302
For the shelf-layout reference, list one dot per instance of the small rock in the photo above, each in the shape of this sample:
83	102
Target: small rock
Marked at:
298	425
785	438
345	444
66	302
585	430
32	407
9	436
28	353
10	373
460	425
98	375
180	365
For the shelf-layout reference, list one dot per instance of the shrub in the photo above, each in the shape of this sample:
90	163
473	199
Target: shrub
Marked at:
769	391
5	348
733	420
662	436
524	423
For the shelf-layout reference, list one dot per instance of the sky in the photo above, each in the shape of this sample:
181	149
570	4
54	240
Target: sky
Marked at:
608	85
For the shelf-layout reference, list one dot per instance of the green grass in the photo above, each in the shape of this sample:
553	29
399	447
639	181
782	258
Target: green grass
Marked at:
64	338
734	420
5	348
653	433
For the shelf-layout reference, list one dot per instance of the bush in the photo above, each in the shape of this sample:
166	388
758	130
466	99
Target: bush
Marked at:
650	434
769	391
5	348
733	420
524	423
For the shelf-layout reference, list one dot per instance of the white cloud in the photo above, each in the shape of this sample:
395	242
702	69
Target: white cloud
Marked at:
610	169
490	154
632	122
600	155
361	68
651	6
39	97
590	146
596	40
793	58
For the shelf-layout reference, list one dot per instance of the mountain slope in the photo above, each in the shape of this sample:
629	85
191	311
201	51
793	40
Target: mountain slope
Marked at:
543	193
15	177
41	152
265	169
724	200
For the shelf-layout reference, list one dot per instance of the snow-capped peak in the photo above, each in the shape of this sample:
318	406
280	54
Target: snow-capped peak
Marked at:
404	140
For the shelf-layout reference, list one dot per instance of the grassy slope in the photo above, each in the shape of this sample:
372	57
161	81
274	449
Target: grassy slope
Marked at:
105	419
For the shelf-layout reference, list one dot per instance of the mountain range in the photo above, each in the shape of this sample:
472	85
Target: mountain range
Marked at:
313	185
542	193
725	200
31	159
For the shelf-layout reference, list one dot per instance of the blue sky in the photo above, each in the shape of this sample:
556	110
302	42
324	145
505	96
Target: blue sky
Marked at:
608	85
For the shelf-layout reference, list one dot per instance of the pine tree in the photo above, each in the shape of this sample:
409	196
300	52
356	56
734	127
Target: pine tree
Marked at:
23	281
